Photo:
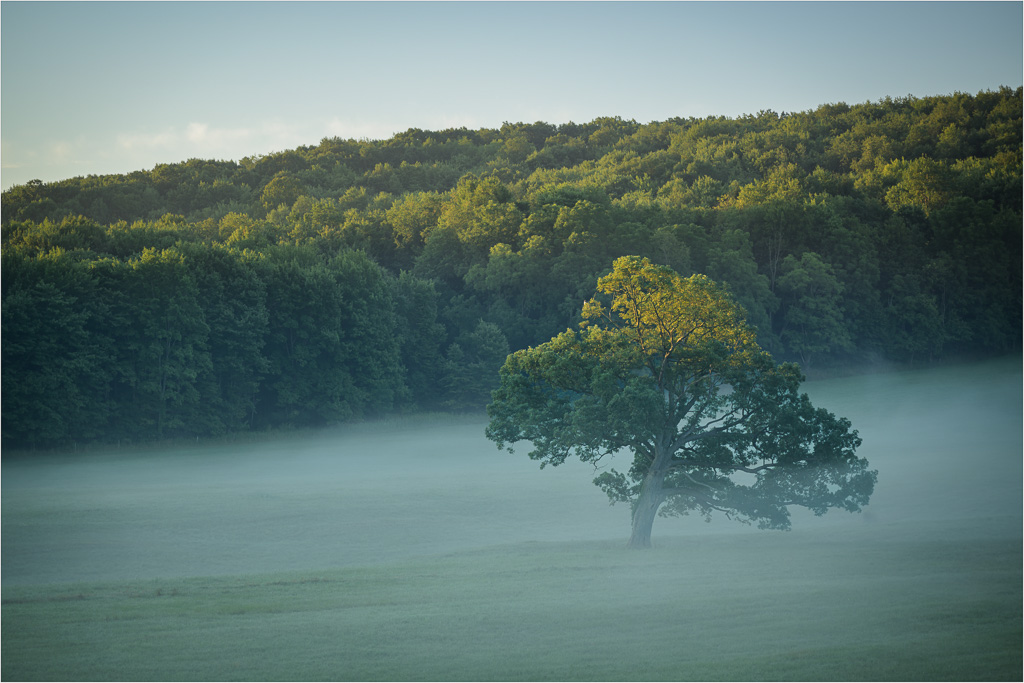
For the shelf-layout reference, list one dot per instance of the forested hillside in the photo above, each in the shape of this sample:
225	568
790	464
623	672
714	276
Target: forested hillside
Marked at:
355	278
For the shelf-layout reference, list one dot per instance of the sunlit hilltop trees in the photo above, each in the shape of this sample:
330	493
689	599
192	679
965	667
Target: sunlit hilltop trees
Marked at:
352	278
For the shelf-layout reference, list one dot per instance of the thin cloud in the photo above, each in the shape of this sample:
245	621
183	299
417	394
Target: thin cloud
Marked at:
9	158
165	139
197	132
203	140
61	151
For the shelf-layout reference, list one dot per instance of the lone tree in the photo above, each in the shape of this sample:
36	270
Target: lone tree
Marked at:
668	368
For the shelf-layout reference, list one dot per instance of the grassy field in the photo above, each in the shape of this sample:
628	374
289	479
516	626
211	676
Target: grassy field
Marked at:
414	551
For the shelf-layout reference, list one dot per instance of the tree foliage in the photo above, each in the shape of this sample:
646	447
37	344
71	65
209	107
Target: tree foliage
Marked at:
886	230
669	370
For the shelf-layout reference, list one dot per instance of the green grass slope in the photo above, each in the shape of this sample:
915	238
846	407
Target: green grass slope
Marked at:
414	551
917	602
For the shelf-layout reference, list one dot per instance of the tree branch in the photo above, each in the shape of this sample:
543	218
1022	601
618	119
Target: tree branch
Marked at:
679	463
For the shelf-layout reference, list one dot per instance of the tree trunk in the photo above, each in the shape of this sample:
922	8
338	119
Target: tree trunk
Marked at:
646	509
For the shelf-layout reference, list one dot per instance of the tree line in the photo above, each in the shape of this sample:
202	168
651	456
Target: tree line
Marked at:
355	278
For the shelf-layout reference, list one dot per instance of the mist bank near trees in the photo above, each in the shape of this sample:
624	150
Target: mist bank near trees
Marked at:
357	278
946	443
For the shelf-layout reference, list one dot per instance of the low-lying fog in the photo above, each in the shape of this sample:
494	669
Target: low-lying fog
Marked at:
946	443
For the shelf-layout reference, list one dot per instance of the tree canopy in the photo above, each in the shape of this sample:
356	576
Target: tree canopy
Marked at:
666	367
882	232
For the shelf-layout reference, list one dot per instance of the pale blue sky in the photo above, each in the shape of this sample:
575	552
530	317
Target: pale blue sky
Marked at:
90	87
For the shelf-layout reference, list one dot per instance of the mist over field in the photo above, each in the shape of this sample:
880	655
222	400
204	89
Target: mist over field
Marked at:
946	443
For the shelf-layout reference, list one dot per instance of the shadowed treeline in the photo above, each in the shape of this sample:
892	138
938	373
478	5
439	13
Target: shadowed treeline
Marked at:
359	278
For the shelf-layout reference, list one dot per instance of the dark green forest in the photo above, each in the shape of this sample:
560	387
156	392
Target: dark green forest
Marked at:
358	278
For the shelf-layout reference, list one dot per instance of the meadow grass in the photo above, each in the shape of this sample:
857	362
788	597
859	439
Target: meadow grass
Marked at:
926	601
413	550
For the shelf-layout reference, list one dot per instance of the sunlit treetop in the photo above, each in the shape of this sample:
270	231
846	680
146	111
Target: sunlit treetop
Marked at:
674	325
667	368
